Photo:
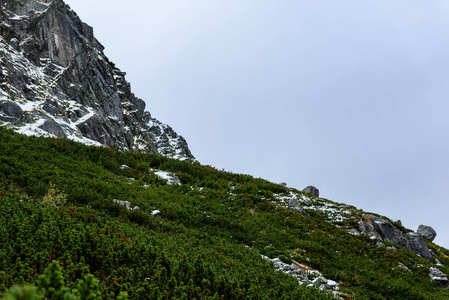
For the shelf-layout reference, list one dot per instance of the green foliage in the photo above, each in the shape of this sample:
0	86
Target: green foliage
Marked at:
27	292
88	288
51	283
54	196
206	243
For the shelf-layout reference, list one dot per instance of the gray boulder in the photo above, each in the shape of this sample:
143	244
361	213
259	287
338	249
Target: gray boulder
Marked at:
11	109
294	205
54	128
319	281
427	232
312	190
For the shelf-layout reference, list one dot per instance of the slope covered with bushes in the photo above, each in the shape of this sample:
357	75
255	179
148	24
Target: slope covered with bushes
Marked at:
207	242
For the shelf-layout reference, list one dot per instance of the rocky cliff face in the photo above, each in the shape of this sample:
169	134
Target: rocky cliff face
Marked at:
56	80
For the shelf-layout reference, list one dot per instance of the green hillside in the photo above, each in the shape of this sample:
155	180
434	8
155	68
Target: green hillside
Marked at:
59	223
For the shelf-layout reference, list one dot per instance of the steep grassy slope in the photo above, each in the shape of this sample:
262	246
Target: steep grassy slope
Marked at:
207	242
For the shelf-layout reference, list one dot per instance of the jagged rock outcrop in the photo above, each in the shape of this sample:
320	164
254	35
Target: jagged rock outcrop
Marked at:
381	229
427	232
55	79
312	190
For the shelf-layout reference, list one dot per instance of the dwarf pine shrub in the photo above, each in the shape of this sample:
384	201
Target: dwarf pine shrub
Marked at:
54	196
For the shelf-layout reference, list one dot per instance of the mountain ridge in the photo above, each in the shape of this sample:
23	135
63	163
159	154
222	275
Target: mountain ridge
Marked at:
56	80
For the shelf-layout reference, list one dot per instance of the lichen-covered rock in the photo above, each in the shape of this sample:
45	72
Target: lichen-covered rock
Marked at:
53	68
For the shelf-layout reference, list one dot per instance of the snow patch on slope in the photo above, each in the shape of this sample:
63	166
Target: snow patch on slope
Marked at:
171	178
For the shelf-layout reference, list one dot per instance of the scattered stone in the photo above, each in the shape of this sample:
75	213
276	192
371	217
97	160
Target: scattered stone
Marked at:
380	244
302	274
437	275
427	232
392	248
319	280
353	231
287	267
279	265
331	284
294	205
127	204
401	265
312	190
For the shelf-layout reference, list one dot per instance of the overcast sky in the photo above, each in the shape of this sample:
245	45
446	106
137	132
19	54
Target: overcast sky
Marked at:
349	96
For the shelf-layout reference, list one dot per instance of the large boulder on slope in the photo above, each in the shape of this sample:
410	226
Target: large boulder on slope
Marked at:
427	232
312	190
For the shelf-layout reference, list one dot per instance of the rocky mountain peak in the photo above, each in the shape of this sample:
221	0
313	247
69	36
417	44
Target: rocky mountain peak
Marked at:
56	80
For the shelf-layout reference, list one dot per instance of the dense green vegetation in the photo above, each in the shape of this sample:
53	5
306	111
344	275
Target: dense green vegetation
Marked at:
57	217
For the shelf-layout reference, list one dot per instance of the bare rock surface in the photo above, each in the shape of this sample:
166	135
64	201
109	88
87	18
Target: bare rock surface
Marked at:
56	80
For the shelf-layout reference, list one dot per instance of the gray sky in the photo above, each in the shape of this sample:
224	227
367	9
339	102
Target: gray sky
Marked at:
349	96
